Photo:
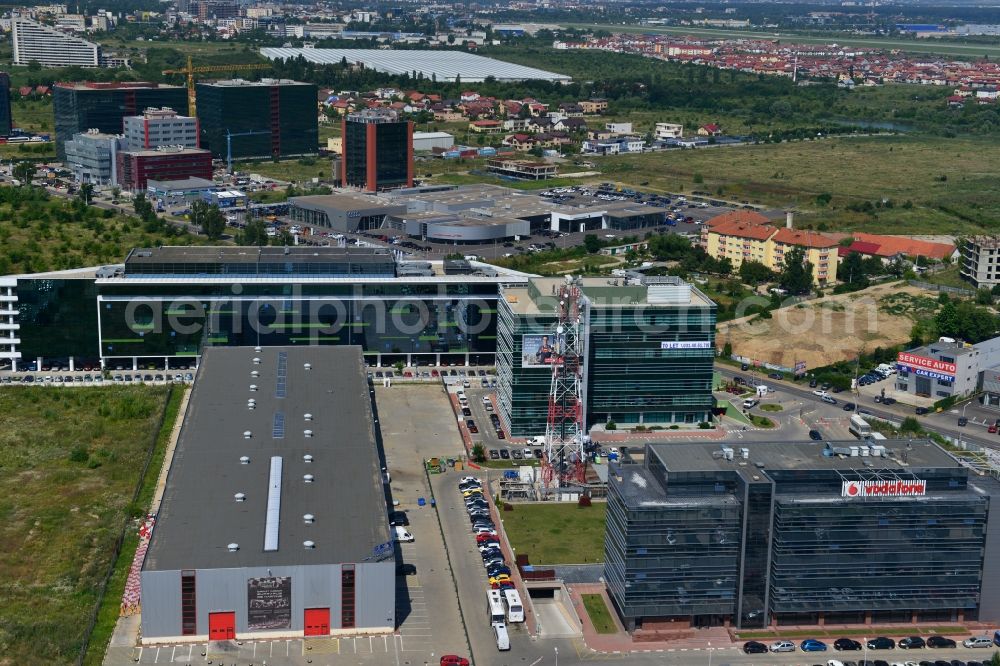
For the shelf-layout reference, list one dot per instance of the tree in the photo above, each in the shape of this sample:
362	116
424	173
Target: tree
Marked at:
852	270
984	296
796	276
209	219
24	172
86	193
754	273
254	233
283	238
591	243
478	452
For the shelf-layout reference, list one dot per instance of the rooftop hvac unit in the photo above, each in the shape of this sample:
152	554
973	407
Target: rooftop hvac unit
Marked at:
307	417
233	547
308	478
309	519
244	460
308	545
240	497
247	434
307	458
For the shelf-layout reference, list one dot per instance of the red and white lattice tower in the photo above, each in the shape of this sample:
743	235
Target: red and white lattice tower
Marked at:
564	431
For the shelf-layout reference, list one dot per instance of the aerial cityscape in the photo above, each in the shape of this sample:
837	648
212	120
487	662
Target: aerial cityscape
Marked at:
671	330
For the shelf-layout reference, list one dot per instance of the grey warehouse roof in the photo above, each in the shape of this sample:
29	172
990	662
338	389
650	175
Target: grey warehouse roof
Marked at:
444	65
199	515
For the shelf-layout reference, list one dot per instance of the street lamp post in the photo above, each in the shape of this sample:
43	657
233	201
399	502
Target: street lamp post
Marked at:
709	654
556	648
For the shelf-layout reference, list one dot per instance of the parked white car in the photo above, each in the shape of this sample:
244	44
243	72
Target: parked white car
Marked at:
402	535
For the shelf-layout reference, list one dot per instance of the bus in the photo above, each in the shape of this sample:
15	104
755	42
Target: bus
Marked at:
494	606
515	609
859	427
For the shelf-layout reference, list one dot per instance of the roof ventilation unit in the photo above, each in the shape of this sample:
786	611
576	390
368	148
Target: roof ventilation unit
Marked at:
307	458
247	434
309	519
307	433
253	387
254	373
256	360
257	349
308	545
308	478
307	366
251	405
233	547
244	460
240	497
307	417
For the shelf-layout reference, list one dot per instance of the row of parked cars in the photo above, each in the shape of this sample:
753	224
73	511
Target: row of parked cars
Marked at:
97	380
879	643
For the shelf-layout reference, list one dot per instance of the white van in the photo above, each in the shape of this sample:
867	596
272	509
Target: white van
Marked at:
500	633
750	403
402	535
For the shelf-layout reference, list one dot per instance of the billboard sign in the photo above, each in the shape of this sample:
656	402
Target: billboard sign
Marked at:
686	344
540	351
930	373
269	603
888	488
925	363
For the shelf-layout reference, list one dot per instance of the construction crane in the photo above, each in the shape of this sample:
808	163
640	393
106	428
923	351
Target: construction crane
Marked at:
229	145
190	71
565	450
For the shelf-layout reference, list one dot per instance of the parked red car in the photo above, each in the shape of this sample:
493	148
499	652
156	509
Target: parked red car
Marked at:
454	660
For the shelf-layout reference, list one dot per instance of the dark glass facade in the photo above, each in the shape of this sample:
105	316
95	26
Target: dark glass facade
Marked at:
58	318
6	120
380	150
78	107
694	538
634	371
273	120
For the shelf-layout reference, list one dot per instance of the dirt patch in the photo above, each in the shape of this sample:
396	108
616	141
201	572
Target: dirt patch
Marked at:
830	329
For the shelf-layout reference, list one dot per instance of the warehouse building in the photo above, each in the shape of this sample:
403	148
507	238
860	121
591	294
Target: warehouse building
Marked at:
259	119
789	533
343	211
428	141
649	348
273	521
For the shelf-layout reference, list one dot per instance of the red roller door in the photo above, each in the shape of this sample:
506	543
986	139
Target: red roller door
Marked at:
222	626
317	622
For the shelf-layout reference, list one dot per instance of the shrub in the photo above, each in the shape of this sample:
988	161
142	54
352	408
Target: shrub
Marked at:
611	425
79	454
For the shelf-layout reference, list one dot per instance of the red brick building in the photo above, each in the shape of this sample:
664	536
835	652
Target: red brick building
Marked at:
136	167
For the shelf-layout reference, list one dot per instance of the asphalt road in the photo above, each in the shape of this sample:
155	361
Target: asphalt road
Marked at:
935	423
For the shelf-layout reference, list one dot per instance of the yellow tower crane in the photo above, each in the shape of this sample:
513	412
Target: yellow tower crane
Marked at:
190	71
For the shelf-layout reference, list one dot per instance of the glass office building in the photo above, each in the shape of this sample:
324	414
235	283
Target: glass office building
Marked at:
648	350
167	304
810	533
263	119
378	150
79	107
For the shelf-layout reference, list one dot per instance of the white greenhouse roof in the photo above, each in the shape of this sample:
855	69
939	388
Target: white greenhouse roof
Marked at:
444	65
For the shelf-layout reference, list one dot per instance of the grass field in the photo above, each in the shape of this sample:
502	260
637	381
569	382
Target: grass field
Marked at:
936	46
599	614
71	461
108	613
950	183
299	171
557	533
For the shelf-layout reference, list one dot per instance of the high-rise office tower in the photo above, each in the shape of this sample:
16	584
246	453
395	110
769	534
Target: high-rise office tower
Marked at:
378	150
6	120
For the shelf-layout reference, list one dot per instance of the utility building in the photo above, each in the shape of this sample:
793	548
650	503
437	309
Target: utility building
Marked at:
262	119
273	521
378	150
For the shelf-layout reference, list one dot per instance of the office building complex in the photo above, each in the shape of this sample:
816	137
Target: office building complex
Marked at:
136	167
6	119
50	47
801	533
160	127
263	119
127	316
273	521
648	348
378	150
79	107
92	156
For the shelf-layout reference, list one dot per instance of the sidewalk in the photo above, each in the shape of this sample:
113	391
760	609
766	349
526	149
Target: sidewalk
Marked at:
622	643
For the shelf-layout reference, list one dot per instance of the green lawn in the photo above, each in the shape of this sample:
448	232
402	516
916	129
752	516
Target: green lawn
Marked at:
299	171
599	614
71	462
736	414
771	407
557	532
950	184
761	421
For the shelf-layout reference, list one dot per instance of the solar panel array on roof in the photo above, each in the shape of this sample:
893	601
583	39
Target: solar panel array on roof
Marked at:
278	429
443	65
282	375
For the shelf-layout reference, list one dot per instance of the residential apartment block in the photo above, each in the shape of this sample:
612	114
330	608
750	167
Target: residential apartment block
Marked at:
50	47
749	236
981	260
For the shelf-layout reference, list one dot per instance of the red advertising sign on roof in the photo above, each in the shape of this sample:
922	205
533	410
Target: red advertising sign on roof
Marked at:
915	361
891	488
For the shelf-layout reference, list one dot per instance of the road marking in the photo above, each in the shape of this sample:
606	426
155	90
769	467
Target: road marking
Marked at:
172	653
157	659
370	648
